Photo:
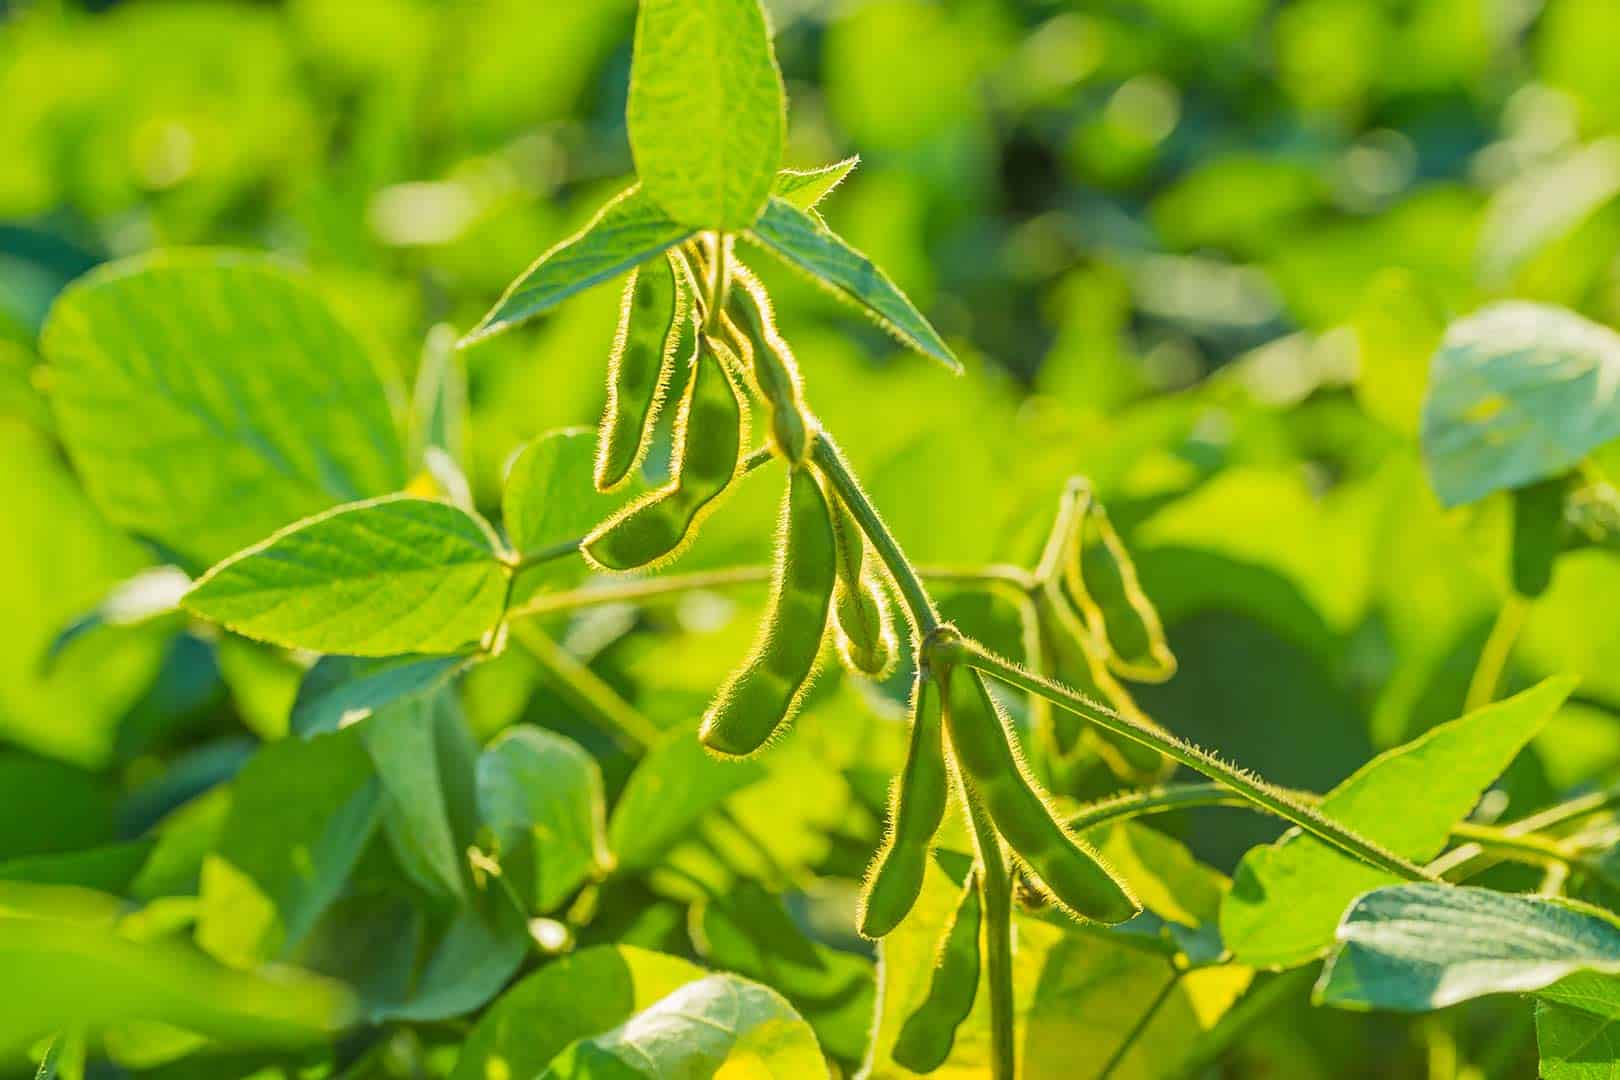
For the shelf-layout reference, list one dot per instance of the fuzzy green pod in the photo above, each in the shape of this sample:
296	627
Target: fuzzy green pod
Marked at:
929	1033
1070	870
650	316
709	435
765	691
1538	534
776	372
916	807
1100	576
861	618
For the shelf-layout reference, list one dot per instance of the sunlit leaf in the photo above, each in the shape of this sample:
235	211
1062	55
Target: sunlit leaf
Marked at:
389	576
706	112
806	189
671	790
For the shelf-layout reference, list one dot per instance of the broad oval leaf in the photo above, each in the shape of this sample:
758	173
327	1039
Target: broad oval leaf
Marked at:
1414	948
672	788
392	575
707	113
550	501
541	796
1288	897
342	690
705	1028
536	1019
1518	392
626	232
802	241
1578	1027
209	398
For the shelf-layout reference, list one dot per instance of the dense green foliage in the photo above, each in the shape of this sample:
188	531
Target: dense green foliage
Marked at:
1118	584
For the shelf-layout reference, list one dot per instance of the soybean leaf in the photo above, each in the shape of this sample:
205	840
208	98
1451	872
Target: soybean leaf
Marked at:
480	951
342	690
392	575
1578	1027
540	794
300	814
803	242
749	931
626	232
698	1030
208	398
1287	897
672	788
1518	392
707	112
806	189
420	751
60	970
1414	948
536	1019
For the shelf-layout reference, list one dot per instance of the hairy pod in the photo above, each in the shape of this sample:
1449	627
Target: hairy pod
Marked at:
928	1034
1073	874
861	617
916	807
709	435
1101	578
776	372
650	316
765	691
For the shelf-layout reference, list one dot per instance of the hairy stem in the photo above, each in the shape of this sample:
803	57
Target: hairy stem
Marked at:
586	690
995	881
954	647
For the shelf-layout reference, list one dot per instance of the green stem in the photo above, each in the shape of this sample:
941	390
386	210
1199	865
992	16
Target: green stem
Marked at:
918	605
1493	657
955	647
718	281
586	690
995	881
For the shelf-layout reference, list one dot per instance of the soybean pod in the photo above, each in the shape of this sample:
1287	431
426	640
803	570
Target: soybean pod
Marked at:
765	691
776	372
650	316
861	617
928	1034
1070	871
709	435
1101	577
916	807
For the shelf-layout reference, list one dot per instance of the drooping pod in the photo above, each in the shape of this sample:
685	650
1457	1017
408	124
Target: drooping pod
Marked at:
710	432
775	370
861	617
916	807
1100	575
766	690
1070	871
651	313
928	1034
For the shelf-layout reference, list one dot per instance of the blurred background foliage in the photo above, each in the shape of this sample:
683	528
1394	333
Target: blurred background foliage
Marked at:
1199	250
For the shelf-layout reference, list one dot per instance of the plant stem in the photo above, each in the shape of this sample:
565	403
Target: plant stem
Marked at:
1267	796
915	599
587	691
1493	657
996	882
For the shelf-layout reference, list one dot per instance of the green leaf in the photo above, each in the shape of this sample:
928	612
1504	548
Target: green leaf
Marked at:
700	1030
66	965
1578	1028
626	232
808	188
707	113
803	242
1414	948
476	956
439	399
1518	392
536	1019
209	398
672	788
1288	897
541	796
300	814
342	690
392	575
